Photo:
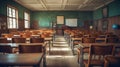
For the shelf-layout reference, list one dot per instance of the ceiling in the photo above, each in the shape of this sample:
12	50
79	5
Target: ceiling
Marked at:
63	5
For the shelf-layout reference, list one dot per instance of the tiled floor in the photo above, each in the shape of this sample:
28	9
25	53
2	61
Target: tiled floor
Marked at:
61	55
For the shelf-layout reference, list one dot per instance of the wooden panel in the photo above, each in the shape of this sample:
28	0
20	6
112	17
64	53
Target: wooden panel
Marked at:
59	31
35	25
21	24
87	24
3	24
114	20
111	21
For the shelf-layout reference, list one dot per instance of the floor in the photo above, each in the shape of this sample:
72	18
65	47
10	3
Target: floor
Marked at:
61	54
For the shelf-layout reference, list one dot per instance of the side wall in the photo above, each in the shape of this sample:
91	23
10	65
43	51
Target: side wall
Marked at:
113	17
21	10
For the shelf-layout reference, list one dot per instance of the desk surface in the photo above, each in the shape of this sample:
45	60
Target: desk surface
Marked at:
76	38
112	61
89	44
21	59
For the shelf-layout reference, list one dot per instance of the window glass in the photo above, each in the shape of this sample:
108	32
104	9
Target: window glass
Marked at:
27	20
12	19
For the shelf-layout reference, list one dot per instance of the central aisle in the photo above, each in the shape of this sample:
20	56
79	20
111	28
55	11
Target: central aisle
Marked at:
61	54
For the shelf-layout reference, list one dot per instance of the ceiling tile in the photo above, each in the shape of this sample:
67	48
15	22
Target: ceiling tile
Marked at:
53	1
38	5
75	1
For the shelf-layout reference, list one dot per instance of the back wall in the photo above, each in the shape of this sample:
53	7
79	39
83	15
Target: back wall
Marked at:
45	18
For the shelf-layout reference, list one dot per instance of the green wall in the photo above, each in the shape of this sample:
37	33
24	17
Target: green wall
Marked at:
3	8
113	10
45	18
97	14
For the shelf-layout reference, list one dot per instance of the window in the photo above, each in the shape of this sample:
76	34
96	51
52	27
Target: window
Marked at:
105	12
27	19
12	17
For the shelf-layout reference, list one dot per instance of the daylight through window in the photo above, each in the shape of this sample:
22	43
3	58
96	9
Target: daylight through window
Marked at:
27	19
12	17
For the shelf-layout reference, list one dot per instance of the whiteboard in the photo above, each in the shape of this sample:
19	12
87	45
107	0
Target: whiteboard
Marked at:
71	22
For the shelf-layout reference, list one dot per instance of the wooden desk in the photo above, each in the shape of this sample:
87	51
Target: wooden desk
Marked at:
112	61
76	39
15	45
28	42
87	45
49	41
68	37
101	40
4	34
33	59
35	35
72	43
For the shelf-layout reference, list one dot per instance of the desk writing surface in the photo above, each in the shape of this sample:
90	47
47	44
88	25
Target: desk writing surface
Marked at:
112	61
89	44
76	39
48	39
21	59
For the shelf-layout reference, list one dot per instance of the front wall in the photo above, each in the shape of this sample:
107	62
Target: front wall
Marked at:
46	18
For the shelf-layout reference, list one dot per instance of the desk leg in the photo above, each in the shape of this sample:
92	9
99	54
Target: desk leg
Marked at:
48	43
49	46
81	57
72	47
44	60
53	37
52	42
70	41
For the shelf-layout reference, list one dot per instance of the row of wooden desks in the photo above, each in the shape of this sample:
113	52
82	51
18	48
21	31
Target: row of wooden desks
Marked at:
98	40
48	39
87	45
15	45
25	59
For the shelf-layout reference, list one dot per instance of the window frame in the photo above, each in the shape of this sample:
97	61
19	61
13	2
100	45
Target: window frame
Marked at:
28	20
11	25
105	11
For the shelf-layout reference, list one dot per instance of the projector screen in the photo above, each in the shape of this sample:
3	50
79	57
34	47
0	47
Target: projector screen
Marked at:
71	22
